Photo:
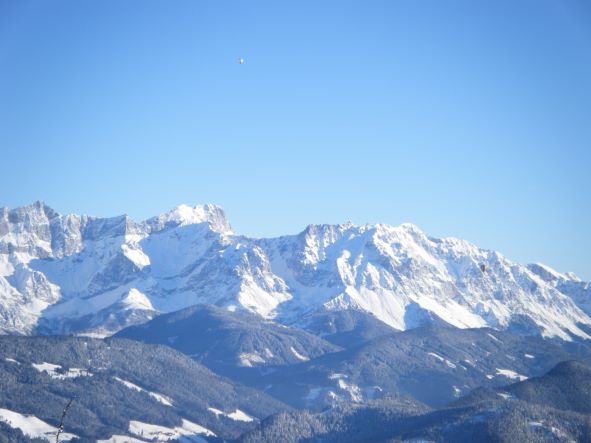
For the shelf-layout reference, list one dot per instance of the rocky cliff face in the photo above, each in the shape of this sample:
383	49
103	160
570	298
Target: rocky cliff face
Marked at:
70	273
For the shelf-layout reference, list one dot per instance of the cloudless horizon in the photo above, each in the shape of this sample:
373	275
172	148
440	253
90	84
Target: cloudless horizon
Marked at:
468	119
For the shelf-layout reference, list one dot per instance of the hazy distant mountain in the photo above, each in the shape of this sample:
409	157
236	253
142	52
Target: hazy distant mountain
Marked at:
78	273
344	423
567	386
508	415
434	366
222	340
346	328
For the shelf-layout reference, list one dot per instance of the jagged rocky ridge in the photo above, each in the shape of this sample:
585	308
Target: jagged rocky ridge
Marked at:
71	273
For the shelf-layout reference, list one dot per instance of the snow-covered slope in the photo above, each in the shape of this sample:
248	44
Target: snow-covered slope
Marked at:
31	426
84	274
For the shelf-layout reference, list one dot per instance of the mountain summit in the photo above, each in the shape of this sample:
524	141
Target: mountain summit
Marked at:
81	274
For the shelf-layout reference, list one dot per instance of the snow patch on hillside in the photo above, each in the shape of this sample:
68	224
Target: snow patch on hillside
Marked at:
236	415
298	355
158	397
116	438
511	374
351	389
188	431
239	415
441	359
53	371
494	338
506	396
250	359
31	426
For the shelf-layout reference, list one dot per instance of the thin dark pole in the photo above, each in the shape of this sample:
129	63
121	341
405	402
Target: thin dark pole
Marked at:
61	426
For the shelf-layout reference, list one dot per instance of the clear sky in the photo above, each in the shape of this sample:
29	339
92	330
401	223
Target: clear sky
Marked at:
468	118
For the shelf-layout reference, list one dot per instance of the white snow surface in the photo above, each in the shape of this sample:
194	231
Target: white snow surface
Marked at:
239	415
61	268
353	391
32	426
116	438
298	355
187	432
135	300
216	411
494	338
250	359
236	415
52	370
158	397
442	359
511	374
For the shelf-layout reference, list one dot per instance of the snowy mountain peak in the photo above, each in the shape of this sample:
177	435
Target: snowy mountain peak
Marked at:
184	215
410	227
85	274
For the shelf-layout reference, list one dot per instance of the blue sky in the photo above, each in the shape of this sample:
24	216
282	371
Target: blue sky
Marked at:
470	119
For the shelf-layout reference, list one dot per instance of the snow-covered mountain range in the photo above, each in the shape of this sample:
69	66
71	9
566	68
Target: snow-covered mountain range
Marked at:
71	273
